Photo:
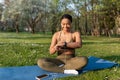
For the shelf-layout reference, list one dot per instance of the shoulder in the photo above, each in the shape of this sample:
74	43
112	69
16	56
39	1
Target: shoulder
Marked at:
55	35
76	33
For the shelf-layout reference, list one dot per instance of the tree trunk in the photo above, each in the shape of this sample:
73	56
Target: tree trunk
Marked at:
17	27
106	30
86	22
32	25
86	25
33	30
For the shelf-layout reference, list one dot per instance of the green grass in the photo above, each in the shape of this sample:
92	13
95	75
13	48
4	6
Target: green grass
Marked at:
25	48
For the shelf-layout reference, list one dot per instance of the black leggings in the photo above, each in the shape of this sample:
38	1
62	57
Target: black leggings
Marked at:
62	62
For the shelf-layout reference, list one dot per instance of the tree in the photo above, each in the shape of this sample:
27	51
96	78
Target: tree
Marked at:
94	17
32	12
11	14
94	13
29	11
1	11
110	10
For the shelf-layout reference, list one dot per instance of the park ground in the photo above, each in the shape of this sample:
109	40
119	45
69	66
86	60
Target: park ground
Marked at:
25	48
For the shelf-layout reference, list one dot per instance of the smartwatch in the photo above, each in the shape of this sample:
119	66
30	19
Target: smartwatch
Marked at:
65	44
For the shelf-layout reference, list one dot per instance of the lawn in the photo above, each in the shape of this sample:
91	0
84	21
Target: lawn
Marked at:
25	48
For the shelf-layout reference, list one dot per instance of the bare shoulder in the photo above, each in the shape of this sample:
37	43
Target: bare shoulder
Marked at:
55	35
76	36
76	33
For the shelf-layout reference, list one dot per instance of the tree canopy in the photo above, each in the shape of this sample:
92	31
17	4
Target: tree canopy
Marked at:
90	17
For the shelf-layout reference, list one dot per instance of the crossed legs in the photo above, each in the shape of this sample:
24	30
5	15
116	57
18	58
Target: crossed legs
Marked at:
59	65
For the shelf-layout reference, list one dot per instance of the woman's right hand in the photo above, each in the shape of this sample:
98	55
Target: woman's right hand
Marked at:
57	48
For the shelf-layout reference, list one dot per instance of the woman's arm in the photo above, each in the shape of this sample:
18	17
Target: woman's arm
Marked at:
52	48
77	43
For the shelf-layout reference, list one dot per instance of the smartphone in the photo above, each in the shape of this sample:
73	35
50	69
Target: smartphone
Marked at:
41	76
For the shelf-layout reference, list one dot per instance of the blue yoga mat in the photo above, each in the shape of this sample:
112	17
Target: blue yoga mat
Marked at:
30	72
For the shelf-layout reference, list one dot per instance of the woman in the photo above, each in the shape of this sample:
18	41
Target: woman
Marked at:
64	42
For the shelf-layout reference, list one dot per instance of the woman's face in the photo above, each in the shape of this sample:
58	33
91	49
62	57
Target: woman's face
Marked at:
65	24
